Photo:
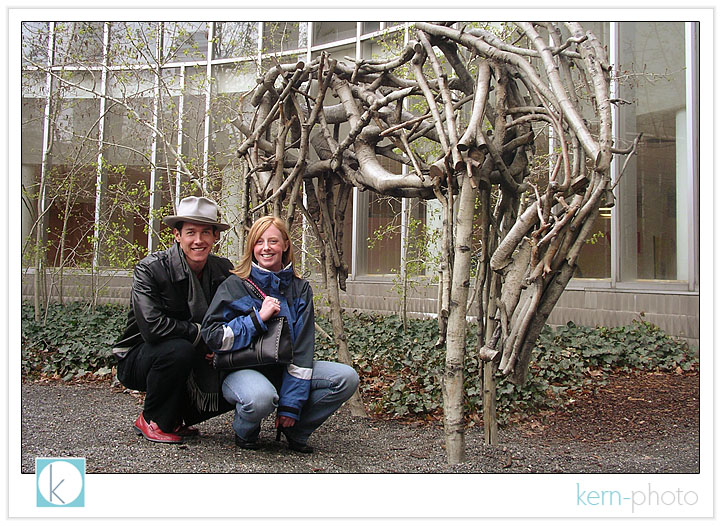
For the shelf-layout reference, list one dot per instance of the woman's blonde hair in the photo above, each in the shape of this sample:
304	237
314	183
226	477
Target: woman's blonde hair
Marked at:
243	269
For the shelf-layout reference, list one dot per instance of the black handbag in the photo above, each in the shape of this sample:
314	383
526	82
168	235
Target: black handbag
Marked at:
273	347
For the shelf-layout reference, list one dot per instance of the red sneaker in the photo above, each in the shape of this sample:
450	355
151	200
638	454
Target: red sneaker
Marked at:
152	432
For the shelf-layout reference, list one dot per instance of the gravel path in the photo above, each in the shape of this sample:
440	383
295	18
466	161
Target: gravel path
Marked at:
94	421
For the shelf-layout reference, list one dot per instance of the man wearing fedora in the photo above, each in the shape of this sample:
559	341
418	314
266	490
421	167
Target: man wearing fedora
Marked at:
161	351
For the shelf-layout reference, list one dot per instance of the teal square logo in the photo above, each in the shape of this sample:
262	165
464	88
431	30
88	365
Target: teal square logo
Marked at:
60	482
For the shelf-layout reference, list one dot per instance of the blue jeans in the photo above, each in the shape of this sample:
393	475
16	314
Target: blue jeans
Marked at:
255	397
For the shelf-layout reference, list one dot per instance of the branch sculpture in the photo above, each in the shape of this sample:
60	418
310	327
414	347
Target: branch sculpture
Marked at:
486	100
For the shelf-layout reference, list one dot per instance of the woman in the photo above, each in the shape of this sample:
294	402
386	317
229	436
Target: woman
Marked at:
304	393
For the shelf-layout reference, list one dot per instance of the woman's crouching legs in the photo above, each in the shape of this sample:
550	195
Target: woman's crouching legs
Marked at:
331	385
254	397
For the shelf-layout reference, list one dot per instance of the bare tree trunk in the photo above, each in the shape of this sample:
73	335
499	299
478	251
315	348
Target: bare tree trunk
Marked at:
453	382
39	277
39	280
404	271
355	403
490	425
63	237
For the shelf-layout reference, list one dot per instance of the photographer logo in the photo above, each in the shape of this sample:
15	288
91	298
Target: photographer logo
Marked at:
60	482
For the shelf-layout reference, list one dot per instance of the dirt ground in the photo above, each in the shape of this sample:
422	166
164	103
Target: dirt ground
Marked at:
642	423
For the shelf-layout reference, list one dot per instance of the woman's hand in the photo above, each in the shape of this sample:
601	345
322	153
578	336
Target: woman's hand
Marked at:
284	421
269	308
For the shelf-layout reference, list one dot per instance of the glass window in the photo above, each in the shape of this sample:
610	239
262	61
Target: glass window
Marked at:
325	32
384	233
423	234
231	82
193	119
128	138
594	260
78	43
126	212
33	114
75	131
185	41
387	45
370	27
133	43
652	198
71	218
235	39
283	36
34	43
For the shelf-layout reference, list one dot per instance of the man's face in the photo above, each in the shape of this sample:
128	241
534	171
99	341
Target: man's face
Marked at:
196	241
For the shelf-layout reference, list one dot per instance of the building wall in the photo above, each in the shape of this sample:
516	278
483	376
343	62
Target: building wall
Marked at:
676	313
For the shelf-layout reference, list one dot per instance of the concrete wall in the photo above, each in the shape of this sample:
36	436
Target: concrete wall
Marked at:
677	313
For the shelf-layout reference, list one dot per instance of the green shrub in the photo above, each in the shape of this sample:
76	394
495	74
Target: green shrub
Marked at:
400	370
74	340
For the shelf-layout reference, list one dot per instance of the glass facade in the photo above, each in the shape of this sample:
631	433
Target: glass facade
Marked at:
654	207
235	39
170	92
328	32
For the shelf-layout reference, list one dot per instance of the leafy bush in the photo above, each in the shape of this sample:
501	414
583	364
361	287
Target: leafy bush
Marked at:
400	370
570	357
74	341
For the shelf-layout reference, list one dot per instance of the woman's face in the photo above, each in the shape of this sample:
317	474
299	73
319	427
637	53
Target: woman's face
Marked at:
268	250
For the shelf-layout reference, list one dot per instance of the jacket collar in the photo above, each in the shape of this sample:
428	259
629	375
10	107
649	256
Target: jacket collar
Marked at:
269	280
177	265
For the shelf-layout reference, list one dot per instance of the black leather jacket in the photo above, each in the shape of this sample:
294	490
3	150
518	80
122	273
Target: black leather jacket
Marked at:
159	299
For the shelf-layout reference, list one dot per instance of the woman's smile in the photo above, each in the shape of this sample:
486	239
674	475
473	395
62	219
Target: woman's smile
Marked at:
268	250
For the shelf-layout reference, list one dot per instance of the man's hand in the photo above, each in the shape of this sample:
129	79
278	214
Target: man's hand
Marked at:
209	357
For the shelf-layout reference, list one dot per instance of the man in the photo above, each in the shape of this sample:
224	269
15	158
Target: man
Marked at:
161	351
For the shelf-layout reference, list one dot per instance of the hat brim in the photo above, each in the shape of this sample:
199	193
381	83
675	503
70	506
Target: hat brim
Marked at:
172	221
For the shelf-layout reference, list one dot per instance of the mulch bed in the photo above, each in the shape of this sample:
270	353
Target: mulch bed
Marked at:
629	407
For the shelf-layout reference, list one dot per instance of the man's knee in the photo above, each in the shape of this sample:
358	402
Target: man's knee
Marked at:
176	351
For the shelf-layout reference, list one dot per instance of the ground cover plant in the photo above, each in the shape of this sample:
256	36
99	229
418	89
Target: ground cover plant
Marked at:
71	340
399	369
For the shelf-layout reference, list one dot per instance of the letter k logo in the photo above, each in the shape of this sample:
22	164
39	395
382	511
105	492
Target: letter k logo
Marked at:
53	490
60	482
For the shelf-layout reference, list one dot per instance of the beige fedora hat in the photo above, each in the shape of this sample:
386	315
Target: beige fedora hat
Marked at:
196	210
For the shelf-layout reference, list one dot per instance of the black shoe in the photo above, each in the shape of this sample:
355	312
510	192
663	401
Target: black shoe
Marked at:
294	445
247	444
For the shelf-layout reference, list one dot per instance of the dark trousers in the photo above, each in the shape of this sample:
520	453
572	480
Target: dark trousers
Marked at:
161	370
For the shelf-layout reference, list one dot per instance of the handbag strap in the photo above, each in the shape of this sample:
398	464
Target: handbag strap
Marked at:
256	288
